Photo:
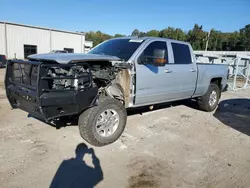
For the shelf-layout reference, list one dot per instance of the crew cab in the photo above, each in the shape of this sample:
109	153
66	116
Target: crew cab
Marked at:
117	74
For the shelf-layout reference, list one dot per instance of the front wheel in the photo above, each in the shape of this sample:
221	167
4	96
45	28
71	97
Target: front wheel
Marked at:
104	123
210	100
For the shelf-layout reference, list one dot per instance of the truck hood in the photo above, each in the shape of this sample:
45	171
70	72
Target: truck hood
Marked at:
65	58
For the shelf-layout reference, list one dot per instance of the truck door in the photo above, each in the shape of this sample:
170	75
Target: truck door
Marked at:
175	80
181	71
150	79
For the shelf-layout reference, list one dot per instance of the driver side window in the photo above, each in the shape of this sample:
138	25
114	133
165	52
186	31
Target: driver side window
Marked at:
150	52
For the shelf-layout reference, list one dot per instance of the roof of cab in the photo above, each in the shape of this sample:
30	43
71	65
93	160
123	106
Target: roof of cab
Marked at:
151	38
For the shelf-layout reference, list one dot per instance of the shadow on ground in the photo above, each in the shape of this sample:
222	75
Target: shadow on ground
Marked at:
73	120
235	113
75	172
189	103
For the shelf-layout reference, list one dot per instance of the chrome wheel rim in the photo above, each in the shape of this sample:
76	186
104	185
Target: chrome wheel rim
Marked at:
212	98
107	122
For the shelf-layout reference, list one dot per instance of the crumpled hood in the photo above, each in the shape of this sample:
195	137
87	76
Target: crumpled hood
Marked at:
65	58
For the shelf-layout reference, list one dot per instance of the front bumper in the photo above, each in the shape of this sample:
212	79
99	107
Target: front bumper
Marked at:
46	103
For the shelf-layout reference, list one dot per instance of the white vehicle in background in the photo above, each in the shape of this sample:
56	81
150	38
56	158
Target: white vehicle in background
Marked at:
59	51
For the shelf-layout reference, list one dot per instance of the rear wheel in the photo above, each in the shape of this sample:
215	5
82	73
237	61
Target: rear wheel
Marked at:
210	100
103	124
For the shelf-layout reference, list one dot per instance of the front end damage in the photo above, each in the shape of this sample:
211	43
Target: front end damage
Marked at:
48	90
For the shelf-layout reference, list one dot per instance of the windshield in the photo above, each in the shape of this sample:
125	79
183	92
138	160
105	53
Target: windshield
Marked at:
122	48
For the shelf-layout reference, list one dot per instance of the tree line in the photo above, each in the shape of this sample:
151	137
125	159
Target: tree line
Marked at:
217	40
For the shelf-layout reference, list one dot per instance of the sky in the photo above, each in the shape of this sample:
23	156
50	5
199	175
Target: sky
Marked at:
123	16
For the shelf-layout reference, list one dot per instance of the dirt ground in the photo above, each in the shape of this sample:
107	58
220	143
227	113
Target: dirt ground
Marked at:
173	146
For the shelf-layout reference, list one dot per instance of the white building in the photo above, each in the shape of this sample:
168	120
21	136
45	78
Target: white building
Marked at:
19	41
88	45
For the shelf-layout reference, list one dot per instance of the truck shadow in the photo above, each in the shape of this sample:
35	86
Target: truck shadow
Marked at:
75	172
73	120
235	113
140	110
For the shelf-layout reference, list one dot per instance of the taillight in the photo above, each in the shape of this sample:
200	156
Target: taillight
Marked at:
4	57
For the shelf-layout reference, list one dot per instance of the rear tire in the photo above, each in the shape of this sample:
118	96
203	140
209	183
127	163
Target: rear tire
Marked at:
209	101
91	122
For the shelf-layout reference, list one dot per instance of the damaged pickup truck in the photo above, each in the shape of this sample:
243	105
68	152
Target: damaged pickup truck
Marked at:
117	74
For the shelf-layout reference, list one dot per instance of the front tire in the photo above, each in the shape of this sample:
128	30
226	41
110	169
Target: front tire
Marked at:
103	124
210	100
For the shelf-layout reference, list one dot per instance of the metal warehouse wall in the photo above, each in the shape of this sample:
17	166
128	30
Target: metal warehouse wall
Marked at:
45	40
2	39
18	36
62	40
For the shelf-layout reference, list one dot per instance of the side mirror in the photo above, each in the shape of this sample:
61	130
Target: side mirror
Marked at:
158	58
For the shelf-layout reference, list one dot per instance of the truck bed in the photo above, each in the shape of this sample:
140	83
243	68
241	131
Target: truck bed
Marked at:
206	72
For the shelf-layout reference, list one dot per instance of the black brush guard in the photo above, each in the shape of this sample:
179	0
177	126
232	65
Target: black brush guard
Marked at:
27	88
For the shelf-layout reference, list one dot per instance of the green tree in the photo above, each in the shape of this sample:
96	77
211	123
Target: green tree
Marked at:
197	37
136	32
179	34
232	41
172	33
142	34
245	37
97	37
118	35
153	33
238	40
167	33
215	40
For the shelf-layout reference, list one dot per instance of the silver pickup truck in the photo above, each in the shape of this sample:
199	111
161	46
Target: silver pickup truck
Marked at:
117	74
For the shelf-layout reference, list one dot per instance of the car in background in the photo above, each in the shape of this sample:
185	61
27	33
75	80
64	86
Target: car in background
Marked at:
3	61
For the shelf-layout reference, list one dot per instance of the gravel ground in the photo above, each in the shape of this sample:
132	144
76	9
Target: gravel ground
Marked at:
172	146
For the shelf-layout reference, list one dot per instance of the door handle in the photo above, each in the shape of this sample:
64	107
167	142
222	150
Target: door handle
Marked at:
193	70
168	71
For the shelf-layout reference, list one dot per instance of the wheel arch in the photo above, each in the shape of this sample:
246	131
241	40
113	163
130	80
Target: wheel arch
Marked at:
120	87
115	91
217	81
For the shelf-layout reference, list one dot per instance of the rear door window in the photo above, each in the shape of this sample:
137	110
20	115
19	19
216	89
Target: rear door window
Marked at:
181	53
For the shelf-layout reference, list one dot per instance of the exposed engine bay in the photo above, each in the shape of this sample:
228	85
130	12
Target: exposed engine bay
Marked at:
105	76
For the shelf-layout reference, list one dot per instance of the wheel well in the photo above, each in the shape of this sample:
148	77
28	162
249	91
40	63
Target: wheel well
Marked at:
216	81
116	91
